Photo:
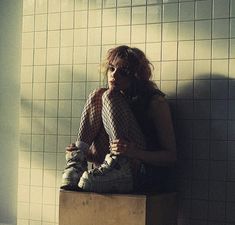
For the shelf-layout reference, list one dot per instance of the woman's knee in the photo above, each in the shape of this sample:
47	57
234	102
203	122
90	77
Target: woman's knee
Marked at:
96	95
108	95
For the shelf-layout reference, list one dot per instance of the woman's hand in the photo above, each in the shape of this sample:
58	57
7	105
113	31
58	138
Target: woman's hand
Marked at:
122	146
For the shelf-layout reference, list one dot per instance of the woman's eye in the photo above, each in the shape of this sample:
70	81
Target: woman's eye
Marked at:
111	68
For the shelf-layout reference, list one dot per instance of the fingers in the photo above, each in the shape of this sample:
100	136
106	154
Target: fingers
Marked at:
119	146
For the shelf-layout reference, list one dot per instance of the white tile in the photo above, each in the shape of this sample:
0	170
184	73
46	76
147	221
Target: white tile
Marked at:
50	143
220	28
38	108
66	73
78	90
36	177
48	195
39	56
81	5
27	57
203	49
27	40
23	210
54	21
108	35
38	91
93	72
123	34
37	143
220	48
41	22
123	16
40	39
66	38
48	213
186	11
53	39
50	161
65	90
51	126
64	126
169	31
138	2
220	67
109	4
37	160
52	56
94	19
64	108
53	6
49	177
202	68
41	6
39	73
203	9
28	23
169	88
26	74
232	8
203	29
186	30
23	193
23	176
67	5
154	14
67	19
80	37
95	4
139	15
35	194
123	3
185	50
170	12
169	51
52	73
79	72
81	19
109	17
93	54
52	91
168	70
94	36
232	28
28	7
138	34
153	51
35	211
185	69
80	55
153	32
66	55
37	126
221	8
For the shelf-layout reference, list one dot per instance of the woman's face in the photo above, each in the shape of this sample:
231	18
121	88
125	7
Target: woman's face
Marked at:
118	75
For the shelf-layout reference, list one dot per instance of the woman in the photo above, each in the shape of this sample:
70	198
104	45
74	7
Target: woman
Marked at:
126	131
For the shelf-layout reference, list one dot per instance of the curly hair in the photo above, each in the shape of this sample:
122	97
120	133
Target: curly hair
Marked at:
140	68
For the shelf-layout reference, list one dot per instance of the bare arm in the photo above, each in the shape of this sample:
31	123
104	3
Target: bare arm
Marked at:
166	154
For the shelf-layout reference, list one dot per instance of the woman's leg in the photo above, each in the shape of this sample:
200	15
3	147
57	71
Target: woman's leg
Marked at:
90	126
119	122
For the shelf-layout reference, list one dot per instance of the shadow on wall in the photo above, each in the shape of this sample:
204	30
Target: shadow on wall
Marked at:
203	114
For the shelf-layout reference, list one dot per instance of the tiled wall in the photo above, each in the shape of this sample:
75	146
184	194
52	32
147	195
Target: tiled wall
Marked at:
192	46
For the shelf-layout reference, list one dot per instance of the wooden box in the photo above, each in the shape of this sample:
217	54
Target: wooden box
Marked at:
84	208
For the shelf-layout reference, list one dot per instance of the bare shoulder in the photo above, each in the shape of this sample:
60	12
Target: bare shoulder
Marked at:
158	101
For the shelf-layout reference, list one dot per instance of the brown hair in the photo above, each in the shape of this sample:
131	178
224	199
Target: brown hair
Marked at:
139	66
